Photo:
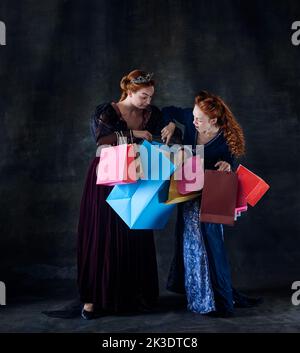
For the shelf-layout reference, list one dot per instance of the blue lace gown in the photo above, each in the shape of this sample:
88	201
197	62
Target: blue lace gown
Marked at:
197	282
191	261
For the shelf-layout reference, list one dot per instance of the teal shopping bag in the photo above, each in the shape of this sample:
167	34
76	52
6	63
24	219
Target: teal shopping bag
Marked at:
141	205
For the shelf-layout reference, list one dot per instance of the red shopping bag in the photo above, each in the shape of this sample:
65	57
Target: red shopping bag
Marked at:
253	187
241	202
219	197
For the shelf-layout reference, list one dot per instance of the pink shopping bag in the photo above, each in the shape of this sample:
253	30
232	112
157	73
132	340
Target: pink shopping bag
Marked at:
190	176
119	164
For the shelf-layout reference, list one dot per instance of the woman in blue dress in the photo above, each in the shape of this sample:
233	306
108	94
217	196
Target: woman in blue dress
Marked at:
200	267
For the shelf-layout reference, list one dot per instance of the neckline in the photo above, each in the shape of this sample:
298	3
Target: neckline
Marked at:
210	141
145	116
117	109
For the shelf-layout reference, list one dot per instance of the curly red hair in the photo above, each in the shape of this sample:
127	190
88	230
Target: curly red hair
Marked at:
214	107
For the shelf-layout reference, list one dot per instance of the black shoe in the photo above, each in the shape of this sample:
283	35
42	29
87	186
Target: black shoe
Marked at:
95	314
87	315
248	302
90	315
226	314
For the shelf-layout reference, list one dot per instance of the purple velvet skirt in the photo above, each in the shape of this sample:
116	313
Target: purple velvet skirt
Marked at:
117	268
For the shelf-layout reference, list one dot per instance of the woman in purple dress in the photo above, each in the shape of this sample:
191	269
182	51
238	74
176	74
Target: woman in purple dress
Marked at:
117	269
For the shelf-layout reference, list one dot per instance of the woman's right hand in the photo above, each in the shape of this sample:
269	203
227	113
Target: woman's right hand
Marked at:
167	132
142	134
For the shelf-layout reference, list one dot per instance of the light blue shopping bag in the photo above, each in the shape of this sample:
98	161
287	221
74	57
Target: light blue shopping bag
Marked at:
141	205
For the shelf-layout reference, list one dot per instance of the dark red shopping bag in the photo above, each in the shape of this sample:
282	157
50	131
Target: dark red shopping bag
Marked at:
219	197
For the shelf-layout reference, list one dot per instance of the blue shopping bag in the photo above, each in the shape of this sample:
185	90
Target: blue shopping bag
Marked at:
141	205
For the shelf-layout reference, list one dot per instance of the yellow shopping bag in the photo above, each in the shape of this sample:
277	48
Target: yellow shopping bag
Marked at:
175	197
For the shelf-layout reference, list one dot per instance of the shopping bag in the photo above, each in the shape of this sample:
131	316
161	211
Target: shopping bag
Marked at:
139	204
219	197
241	203
175	197
173	153
252	186
190	176
119	164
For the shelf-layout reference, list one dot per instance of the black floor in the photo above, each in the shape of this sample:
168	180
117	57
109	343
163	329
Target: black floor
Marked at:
24	314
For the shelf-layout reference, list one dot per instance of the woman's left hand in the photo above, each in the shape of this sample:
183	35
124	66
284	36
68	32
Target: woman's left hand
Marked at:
223	166
167	132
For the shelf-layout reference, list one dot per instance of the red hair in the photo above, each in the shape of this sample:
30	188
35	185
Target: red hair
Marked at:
126	84
215	108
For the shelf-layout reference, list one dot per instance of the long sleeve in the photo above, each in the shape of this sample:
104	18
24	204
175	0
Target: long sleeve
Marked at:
157	123
172	113
233	161
104	123
218	150
228	157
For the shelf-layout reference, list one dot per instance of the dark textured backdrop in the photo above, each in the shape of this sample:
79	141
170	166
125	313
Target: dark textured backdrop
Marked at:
64	57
